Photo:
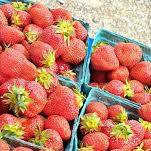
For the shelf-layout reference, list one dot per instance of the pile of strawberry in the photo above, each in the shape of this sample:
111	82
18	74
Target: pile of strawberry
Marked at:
120	71
108	128
36	44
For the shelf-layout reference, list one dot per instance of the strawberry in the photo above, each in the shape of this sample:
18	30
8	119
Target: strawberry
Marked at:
59	124
117	150
76	52
99	108
142	72
120	73
47	79
107	126
22	149
145	111
10	35
98	76
117	113
41	16
42	54
31	124
100	58
48	138
87	148
26	98
116	87
128	54
144	146
20	48
3	20
8	10
126	136
97	140
26	44
4	108
21	18
67	105
62	66
61	14
4	146
81	32
32	32
16	65
89	123
141	98
98	85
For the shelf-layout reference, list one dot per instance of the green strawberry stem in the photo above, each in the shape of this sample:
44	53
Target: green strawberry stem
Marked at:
98	45
121	130
20	6
128	92
79	97
31	36
90	122
66	29
147	89
16	19
49	59
122	117
68	73
18	98
87	148
145	124
44	78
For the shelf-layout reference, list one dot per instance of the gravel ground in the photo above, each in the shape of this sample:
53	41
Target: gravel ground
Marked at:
131	18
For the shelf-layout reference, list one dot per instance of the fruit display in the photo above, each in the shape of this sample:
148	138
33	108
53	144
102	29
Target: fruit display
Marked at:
106	124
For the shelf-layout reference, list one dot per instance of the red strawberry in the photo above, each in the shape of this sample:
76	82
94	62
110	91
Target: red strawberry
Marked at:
32	32
141	98
103	58
81	32
136	86
117	150
144	146
8	10
42	54
98	85
4	146
62	66
16	65
75	53
67	105
30	97
126	136
47	79
107	126
22	149
21	18
61	14
48	138
145	111
142	72
117	113
116	87
128	54
3	20
20	48
89	123
59	124
10	35
4	108
121	74
98	76
26	44
97	140
41	16
99	108
31	124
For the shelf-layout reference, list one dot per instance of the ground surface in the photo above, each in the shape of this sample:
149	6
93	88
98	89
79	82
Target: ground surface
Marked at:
131	18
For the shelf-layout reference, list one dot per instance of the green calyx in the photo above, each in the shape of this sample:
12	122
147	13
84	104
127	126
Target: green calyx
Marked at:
99	44
18	98
44	78
140	148
122	117
14	130
31	36
40	137
147	89
68	74
79	97
121	130
66	29
87	148
128	92
20	6
145	124
48	59
90	122
16	19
